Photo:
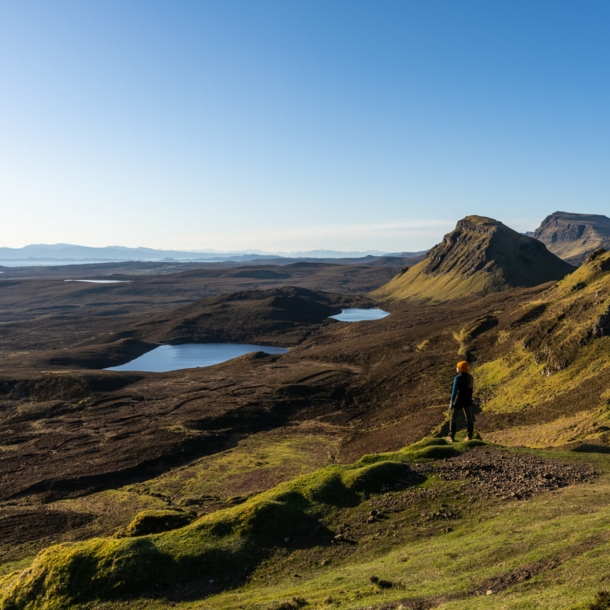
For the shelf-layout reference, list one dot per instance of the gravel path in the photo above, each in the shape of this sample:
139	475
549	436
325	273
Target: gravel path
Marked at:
497	473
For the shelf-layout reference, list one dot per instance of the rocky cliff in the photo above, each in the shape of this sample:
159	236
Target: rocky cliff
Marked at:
573	237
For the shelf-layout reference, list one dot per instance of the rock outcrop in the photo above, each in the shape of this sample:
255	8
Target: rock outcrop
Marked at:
573	237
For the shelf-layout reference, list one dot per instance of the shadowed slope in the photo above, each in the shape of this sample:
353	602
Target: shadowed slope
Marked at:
479	256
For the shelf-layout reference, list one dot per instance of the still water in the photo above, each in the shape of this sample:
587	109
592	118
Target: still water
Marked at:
100	281
175	357
358	315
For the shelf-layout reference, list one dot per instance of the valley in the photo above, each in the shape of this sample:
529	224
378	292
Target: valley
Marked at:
318	477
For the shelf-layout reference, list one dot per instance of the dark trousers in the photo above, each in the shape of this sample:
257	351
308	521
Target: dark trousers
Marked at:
455	411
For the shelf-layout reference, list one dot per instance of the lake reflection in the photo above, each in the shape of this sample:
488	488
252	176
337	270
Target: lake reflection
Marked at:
175	357
358	315
100	281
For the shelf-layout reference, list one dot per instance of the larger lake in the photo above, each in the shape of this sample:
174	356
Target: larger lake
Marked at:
175	357
100	281
358	315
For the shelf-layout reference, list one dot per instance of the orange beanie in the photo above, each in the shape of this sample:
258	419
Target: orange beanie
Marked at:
462	366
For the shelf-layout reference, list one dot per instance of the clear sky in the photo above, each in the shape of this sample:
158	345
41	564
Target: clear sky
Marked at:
298	124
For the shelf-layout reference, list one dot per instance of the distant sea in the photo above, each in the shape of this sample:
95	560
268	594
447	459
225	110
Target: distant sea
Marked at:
49	263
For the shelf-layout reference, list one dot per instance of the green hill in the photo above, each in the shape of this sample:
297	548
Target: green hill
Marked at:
479	256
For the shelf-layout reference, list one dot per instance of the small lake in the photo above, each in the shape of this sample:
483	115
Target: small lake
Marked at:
191	355
100	281
358	315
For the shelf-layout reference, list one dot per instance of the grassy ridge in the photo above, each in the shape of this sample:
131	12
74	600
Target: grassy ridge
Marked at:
455	570
551	551
70	574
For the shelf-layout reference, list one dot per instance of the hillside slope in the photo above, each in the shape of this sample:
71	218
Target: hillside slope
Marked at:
278	316
479	256
574	236
394	530
547	382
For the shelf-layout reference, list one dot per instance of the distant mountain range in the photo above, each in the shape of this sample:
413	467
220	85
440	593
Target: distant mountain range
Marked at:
47	253
571	237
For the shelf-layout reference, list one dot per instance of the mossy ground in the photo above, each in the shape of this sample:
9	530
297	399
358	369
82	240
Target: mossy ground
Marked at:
566	531
216	544
255	464
448	569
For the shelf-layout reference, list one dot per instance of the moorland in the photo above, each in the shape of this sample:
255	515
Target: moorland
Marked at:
319	478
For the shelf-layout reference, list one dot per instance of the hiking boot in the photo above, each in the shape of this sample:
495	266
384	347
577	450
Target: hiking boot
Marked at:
449	439
466	438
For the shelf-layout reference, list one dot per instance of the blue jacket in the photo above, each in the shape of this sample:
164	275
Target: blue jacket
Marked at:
461	393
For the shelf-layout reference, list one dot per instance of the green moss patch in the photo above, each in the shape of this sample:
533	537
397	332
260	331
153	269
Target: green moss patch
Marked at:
426	449
256	464
155	522
213	545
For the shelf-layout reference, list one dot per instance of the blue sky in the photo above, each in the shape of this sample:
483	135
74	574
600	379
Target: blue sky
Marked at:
294	125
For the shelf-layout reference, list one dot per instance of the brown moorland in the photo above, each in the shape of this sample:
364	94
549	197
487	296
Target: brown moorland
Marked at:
41	311
71	433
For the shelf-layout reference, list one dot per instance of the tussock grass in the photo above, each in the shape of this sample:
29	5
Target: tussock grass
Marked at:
565	533
70	574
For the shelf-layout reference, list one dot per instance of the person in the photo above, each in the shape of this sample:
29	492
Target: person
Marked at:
461	400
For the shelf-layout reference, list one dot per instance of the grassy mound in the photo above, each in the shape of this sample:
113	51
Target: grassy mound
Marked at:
426	449
73	573
155	522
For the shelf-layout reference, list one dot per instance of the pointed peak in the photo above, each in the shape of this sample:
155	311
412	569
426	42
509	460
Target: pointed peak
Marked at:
479	256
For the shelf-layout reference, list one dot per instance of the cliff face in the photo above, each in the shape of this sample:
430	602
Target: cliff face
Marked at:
574	236
479	256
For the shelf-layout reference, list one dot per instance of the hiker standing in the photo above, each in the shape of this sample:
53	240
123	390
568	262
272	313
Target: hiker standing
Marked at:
461	400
